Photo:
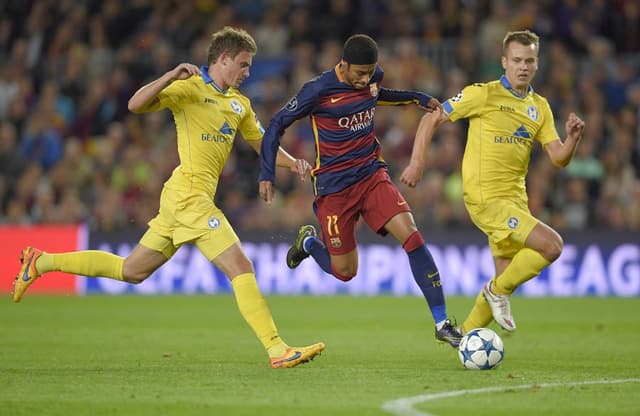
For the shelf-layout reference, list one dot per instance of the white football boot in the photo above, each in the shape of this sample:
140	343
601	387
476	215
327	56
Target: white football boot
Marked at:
500	308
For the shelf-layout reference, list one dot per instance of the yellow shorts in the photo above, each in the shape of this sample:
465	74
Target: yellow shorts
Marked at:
189	218
507	224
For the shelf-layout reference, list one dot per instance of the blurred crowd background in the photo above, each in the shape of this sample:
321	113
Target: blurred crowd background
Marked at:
70	152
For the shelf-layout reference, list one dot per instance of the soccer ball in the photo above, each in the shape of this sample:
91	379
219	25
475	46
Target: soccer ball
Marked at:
481	349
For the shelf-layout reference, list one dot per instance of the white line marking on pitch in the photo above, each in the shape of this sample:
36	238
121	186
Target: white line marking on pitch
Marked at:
404	406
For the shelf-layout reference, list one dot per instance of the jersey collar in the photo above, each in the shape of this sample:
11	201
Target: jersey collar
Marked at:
204	71
505	83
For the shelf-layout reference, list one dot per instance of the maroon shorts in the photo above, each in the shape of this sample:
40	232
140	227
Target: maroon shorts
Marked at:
376	198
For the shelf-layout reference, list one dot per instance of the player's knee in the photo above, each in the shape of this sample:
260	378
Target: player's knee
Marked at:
344	273
553	248
134	276
343	276
556	248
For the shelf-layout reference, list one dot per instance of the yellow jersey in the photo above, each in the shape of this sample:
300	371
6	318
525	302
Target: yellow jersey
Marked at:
207	120
502	127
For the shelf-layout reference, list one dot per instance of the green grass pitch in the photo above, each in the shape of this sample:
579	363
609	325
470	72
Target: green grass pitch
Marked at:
194	355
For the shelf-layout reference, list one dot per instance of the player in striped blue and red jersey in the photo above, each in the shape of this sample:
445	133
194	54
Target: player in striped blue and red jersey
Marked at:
350	178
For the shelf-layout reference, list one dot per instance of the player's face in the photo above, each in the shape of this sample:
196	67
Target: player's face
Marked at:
236	70
520	64
357	76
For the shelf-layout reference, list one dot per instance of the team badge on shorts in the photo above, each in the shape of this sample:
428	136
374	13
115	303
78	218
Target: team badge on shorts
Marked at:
214	223
335	242
512	223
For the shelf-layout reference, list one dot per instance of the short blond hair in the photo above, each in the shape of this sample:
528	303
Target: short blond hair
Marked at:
524	37
231	40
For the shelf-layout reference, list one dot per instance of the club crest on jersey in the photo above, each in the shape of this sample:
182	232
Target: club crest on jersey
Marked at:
532	112
236	107
335	242
512	223
373	89
214	223
292	104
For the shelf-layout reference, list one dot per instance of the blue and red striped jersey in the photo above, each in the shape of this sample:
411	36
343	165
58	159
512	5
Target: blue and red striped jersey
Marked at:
347	149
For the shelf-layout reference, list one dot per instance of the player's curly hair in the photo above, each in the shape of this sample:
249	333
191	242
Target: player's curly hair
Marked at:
524	37
231	40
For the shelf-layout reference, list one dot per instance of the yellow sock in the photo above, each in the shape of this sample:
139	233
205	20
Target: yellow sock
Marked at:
480	315
85	263
255	311
527	263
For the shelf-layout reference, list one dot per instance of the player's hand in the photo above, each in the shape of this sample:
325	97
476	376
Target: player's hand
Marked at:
184	71
432	105
411	175
302	168
266	191
574	126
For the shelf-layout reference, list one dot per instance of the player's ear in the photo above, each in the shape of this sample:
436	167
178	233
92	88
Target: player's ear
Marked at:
223	58
503	60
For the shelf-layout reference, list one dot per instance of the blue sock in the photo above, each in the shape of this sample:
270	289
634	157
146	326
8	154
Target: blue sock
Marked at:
319	252
427	277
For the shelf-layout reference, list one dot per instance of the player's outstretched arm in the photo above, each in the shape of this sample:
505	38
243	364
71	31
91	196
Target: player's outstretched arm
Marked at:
432	105
283	159
561	153
429	122
403	97
146	98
